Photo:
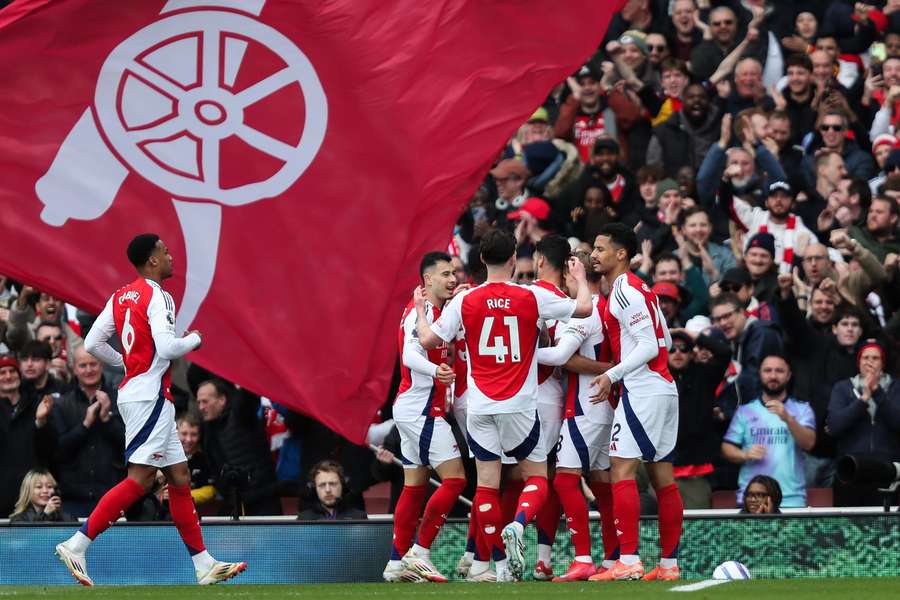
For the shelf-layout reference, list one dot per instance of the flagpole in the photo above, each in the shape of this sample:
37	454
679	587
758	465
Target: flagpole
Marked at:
431	480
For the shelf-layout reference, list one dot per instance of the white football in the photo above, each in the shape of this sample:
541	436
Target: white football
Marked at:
731	570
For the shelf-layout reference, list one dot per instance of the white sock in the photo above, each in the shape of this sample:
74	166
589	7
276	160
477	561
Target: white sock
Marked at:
469	556
544	553
585	559
203	561
607	564
630	559
518	526
500	565
78	543
668	563
479	567
421	552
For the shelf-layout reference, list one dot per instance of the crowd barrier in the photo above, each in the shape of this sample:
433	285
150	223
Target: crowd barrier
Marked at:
809	544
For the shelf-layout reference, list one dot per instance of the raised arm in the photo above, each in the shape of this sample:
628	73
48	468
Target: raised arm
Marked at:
584	304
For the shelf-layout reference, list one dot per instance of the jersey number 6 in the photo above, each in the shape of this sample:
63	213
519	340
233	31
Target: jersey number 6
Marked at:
127	332
499	350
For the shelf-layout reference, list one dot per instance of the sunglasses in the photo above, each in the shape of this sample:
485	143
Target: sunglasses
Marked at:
721	23
55	338
831	128
729	287
657	47
681	348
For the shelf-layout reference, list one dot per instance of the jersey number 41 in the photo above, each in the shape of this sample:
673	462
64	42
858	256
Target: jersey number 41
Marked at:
499	350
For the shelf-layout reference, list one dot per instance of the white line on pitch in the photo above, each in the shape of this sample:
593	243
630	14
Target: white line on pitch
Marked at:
693	587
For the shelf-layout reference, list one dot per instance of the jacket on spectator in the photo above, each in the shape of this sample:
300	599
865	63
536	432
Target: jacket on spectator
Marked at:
32	515
856	431
616	110
237	440
22	445
868	241
676	143
698	441
817	362
343	511
758	340
88	461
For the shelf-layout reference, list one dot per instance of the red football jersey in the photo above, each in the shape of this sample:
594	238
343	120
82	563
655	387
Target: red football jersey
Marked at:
501	323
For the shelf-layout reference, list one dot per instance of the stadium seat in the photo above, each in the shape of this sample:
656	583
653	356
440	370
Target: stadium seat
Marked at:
820	497
724	499
289	505
378	498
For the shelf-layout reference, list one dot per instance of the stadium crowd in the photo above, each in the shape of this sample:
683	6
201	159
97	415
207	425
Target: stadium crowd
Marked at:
751	145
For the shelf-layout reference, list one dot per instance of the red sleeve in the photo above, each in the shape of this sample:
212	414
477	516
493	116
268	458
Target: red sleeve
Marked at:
565	122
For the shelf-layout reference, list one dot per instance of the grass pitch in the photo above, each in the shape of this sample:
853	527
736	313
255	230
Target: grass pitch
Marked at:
795	589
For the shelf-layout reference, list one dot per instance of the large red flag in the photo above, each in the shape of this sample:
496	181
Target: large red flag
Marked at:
297	157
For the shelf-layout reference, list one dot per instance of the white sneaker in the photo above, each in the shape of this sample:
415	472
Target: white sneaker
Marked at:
463	566
515	552
76	563
486	576
505	576
422	567
220	571
400	574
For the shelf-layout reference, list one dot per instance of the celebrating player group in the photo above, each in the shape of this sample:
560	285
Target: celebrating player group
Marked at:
552	374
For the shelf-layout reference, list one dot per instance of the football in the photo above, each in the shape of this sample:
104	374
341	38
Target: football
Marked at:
731	570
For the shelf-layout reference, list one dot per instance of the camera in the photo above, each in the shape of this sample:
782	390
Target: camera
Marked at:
233	475
232	479
856	469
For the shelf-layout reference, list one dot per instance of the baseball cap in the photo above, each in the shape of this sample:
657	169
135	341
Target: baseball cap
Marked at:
510	166
736	275
606	143
587	70
684	337
698	324
667	289
540	116
536	207
780	186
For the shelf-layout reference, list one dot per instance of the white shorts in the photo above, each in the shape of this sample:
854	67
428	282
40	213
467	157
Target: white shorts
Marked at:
150	434
645	427
426	441
584	445
551	421
514	436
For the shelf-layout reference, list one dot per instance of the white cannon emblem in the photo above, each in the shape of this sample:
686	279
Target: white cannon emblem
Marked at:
164	104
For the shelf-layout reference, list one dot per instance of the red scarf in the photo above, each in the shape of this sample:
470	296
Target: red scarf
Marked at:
615	188
789	234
